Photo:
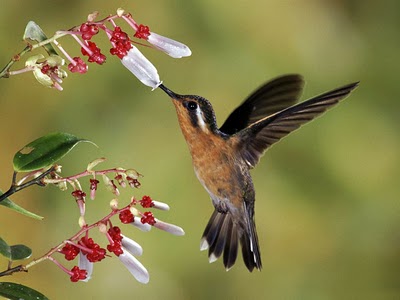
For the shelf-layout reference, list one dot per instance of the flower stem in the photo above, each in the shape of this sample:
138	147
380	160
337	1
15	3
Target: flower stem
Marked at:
77	235
64	52
5	73
24	70
128	19
16	188
83	45
10	271
80	175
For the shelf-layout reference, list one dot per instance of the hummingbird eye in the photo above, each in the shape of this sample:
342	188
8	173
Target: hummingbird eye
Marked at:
191	105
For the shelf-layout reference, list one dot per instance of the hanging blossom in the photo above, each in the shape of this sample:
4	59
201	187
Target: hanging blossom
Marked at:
172	48
90	251
123	45
125	248
48	72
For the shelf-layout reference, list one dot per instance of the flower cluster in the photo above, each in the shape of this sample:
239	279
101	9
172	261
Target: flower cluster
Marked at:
83	244
94	252
88	31
122	43
49	72
78	274
94	55
77	65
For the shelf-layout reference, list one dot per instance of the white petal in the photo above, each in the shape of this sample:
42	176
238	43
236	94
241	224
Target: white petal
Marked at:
134	266
94	163
31	61
55	60
85	264
173	229
141	67
143	227
160	205
42	78
172	48
130	245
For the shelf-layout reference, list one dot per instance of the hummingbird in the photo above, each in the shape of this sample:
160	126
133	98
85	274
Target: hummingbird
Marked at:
223	157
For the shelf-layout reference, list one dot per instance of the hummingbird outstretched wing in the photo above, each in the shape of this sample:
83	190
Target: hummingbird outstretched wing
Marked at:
258	137
270	98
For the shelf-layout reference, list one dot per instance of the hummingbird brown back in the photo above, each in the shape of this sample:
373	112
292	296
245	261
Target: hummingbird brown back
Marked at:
222	158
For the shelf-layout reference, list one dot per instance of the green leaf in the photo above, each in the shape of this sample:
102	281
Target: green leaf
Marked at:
35	33
5	249
8	203
45	151
14	252
15	291
19	252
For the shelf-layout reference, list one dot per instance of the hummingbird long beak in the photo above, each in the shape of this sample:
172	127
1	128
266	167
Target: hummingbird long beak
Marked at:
169	92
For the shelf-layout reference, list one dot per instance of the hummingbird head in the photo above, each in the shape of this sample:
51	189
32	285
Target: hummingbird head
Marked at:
195	113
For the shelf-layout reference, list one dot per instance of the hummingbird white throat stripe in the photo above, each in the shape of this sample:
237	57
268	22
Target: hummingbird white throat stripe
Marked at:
200	120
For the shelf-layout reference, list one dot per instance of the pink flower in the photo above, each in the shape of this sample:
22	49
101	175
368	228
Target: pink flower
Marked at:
93	188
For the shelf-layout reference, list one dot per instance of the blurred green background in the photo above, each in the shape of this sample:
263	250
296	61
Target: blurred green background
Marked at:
327	210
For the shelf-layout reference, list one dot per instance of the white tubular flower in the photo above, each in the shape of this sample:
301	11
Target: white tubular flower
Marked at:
160	205
171	47
171	228
134	266
132	246
143	227
85	264
141	67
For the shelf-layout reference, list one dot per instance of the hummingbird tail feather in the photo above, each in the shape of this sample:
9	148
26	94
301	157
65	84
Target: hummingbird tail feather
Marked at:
222	236
250	247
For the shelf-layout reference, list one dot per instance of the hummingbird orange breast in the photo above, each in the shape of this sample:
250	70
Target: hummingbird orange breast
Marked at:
215	164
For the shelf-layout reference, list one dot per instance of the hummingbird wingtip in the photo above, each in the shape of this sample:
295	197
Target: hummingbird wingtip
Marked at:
203	244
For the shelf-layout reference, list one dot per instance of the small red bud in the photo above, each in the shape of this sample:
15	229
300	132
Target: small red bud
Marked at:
148	218
79	195
146	202
77	274
126	217
79	67
142	32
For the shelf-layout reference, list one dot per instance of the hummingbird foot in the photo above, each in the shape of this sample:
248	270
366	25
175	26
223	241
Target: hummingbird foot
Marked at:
221	207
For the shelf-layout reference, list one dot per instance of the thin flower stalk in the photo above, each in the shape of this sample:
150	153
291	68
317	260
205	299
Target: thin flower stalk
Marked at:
123	46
